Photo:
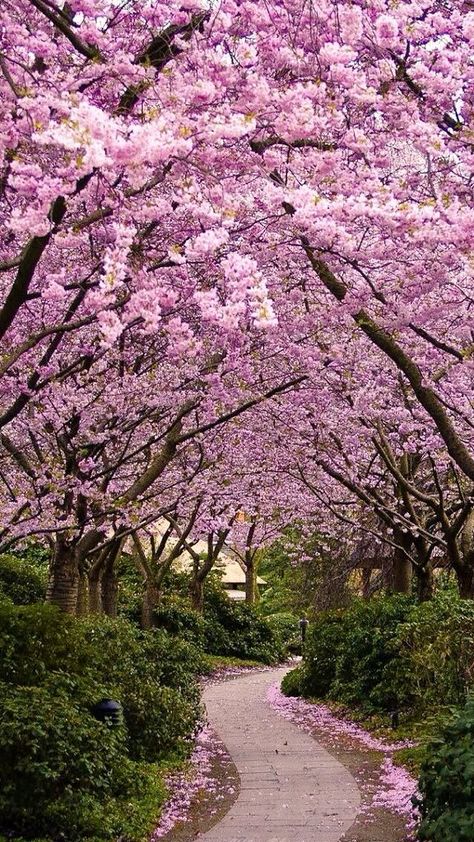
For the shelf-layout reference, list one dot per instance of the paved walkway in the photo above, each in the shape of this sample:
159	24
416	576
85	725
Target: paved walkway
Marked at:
292	790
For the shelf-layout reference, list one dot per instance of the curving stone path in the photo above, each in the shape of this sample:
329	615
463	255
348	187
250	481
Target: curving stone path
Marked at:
292	789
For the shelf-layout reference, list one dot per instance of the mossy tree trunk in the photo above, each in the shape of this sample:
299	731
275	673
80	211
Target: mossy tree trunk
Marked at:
63	582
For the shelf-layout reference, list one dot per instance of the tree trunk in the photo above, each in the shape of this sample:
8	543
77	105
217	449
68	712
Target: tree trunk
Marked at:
465	573
63	583
95	596
366	577
109	590
402	569
250	583
425	583
82	608
196	590
465	578
151	599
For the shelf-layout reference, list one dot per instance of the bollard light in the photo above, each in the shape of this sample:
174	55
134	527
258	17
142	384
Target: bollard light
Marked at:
303	626
108	710
394	718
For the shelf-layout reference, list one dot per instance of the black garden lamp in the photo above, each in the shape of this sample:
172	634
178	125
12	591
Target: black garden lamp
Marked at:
303	626
108	710
394	718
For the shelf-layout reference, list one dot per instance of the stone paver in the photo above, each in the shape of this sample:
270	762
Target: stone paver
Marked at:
292	789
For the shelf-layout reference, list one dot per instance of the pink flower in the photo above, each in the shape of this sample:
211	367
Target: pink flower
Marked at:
386	29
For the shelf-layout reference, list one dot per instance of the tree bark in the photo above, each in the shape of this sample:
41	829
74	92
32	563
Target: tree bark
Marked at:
95	596
250	583
465	572
366	577
109	589
465	578
82	608
196	590
63	584
151	599
401	574
425	583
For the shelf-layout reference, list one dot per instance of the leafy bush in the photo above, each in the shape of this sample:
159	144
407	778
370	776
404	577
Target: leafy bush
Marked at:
57	757
85	779
323	645
286	628
236	629
36	640
226	628
21	581
154	677
176	616
292	682
367	664
436	645
447	782
390	652
351	655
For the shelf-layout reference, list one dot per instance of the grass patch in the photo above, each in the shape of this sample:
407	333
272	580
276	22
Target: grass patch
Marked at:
215	662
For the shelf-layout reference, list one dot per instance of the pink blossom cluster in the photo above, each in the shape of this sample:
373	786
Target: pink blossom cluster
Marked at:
236	268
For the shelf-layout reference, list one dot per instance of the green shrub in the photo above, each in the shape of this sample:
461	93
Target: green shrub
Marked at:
447	782
351	655
176	616
36	640
226	628
285	627
391	652
323	646
368	662
21	581
155	680
54	668
291	684
436	646
236	629
59	760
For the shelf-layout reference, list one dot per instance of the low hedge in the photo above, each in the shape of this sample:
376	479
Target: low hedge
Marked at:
391	652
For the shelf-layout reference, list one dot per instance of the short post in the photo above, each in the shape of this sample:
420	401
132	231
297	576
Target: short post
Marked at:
303	624
394	718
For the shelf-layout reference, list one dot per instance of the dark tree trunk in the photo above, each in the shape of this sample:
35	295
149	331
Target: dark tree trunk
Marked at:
250	583
63	584
465	572
196	590
465	578
82	608
402	569
425	583
109	590
95	596
151	599
366	577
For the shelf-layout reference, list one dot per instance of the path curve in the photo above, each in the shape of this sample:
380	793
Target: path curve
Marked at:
292	789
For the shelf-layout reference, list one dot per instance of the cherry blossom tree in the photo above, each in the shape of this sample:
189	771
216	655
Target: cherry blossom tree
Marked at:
204	207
